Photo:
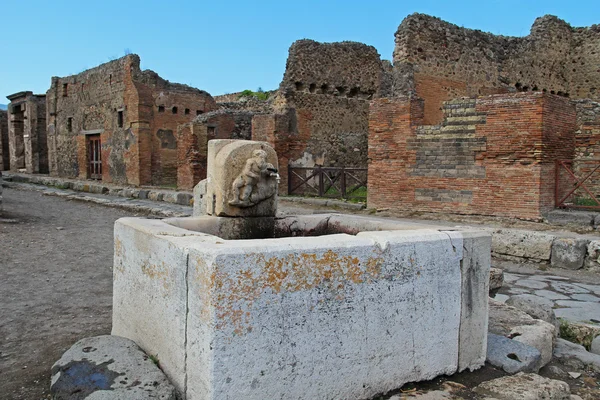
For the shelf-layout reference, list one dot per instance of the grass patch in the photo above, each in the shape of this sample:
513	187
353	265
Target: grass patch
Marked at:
154	359
585	201
576	334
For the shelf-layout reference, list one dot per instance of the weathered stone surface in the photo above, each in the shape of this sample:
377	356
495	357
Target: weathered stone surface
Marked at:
592	259
524	244
524	386
539	336
503	318
152	310
234	340
108	368
509	321
511	355
474	298
563	217
535	306
568	253
496	279
241	179
576	356
200	199
595	348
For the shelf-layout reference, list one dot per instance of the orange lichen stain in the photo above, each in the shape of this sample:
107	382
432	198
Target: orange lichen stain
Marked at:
234	294
206	282
118	248
157	272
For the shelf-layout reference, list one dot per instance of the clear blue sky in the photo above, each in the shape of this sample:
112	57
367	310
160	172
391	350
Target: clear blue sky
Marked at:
226	46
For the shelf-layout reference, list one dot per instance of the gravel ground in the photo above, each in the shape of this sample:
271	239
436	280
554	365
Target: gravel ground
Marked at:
56	287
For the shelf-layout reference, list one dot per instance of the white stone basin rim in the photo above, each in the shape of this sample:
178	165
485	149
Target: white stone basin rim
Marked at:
335	316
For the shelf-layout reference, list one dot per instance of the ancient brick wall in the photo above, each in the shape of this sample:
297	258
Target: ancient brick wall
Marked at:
587	149
136	113
345	69
320	114
192	144
173	105
491	156
238	98
4	153
89	104
440	61
27	132
192	141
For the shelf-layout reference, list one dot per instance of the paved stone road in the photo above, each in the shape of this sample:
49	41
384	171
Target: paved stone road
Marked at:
574	301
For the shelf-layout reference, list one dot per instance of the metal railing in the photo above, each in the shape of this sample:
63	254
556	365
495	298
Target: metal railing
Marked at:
334	182
577	184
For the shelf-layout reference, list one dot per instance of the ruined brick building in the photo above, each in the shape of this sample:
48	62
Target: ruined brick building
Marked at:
4	155
440	61
27	145
231	120
118	123
462	121
320	114
494	151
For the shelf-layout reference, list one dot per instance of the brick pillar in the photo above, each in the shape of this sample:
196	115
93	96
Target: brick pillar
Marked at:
391	123
192	143
264	128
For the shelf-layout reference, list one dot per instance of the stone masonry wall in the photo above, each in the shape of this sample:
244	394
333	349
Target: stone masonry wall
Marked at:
345	69
171	105
439	61
4	153
587	147
88	104
192	141
27	132
493	155
320	114
135	112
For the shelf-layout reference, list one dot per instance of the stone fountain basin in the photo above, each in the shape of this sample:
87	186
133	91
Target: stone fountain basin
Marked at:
331	307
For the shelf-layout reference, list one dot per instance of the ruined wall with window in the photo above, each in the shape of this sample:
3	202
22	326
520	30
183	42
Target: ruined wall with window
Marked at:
133	113
85	106
439	61
321	110
27	145
165	106
4	153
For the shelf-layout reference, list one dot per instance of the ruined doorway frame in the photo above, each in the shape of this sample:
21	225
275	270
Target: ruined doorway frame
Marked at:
94	156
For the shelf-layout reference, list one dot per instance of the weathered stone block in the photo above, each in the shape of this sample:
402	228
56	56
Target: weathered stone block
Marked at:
239	181
185	199
200	199
496	279
511	355
568	253
592	259
109	367
524	244
305	317
524	386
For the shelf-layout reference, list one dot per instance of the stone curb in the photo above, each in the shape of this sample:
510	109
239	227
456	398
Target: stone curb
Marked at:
170	196
568	251
138	208
324	202
183	198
